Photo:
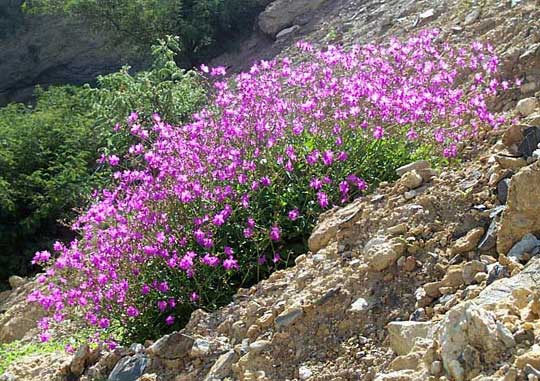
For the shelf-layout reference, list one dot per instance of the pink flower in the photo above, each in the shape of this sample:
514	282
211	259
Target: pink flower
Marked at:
294	214
169	320
132	311
275	233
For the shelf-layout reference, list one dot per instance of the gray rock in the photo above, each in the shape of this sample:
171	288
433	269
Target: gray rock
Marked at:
222	367
49	50
417	165
136	348
173	346
489	240
527	106
281	14
472	16
288	317
502	190
496	272
531	138
528	244
129	368
200	348
259	346
287	31
502	288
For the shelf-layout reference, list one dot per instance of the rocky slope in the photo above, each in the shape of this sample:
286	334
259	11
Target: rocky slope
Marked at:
48	50
434	277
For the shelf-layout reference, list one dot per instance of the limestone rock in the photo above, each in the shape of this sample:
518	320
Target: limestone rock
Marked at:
470	328
469	242
381	253
470	270
415	166
527	106
172	346
281	14
404	334
330	223
222	367
412	179
522	214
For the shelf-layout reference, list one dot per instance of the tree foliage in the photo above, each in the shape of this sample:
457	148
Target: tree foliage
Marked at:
203	26
49	151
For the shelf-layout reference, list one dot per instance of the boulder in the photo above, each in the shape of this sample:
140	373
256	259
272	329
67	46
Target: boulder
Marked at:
469	336
222	367
381	252
330	223
527	106
404	334
129	368
417	166
281	14
173	346
522	214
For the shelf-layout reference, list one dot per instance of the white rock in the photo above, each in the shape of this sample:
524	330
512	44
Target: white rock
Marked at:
470	326
404	334
304	372
359	305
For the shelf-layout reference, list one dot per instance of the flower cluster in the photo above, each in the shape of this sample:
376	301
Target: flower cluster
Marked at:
200	207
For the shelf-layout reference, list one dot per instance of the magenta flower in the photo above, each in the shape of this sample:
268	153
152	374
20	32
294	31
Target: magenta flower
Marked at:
275	233
169	320
294	214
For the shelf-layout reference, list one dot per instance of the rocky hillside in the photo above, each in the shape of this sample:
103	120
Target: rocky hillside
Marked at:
47	50
434	277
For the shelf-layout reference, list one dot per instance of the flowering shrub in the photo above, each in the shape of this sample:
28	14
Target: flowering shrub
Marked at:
201	209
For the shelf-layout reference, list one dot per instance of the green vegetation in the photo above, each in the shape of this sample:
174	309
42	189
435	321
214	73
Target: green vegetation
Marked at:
48	151
203	26
16	350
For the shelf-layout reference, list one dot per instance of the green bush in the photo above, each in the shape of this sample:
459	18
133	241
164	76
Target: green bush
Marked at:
48	151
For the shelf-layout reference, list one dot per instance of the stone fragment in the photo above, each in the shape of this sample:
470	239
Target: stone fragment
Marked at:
509	162
522	213
404	334
359	305
398	229
172	346
469	325
489	240
513	136
469	242
529	144
129	368
287	31
502	190
304	373
222	367
470	269
527	106
79	361
529	244
259	346
200	348
417	165
531	358
496	272
412	179
381	253
329	224
435	368
288	317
